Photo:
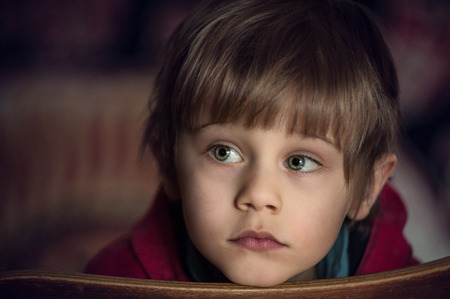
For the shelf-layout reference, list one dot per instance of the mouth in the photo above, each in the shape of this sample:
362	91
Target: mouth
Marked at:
257	241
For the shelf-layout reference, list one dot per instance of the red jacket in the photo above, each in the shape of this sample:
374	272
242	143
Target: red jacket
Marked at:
151	250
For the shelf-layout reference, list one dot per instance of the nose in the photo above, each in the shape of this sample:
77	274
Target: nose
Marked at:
260	191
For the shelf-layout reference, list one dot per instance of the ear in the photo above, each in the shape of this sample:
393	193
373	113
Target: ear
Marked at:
383	169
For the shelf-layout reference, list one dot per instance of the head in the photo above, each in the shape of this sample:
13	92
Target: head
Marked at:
314	68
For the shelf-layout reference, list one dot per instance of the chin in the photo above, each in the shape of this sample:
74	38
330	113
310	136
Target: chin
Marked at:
259	280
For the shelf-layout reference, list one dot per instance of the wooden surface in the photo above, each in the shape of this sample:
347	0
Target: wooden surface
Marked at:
429	280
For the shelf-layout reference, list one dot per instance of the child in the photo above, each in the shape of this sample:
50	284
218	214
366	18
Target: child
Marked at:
274	127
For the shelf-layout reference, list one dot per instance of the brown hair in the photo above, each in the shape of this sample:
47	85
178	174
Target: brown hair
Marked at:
320	66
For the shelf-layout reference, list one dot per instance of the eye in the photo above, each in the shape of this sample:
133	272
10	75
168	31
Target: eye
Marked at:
302	163
225	154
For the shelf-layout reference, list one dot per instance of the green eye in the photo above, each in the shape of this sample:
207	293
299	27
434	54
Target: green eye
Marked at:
221	153
296	162
225	154
302	163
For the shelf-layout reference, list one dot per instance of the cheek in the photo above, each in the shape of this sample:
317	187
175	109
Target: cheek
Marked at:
333	200
319	215
204	204
314	237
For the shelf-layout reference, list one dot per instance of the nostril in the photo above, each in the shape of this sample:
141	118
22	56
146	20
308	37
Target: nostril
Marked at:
271	207
254	205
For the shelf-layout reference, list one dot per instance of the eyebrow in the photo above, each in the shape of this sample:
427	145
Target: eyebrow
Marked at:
324	138
208	124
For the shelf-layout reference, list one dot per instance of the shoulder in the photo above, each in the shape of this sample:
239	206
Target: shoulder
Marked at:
387	248
117	259
150	251
155	242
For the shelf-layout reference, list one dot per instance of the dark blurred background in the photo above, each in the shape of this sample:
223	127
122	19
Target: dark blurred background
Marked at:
74	80
87	34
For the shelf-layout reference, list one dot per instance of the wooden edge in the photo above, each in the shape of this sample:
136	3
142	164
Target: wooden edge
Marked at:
432	277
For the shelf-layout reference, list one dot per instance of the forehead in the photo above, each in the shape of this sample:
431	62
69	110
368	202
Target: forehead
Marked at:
288	111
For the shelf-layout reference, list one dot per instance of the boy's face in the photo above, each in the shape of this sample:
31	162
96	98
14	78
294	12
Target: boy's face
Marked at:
263	206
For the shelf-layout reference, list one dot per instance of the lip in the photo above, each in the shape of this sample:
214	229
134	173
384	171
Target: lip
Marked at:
257	241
